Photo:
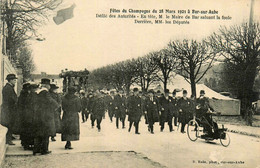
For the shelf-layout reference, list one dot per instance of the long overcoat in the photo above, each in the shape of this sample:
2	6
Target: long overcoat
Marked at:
134	108
57	112
98	108
152	107
9	106
111	105
71	106
118	105
84	104
44	116
25	116
166	108
185	110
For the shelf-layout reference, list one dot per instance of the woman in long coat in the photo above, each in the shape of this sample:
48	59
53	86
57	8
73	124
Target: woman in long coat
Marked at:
26	117
71	106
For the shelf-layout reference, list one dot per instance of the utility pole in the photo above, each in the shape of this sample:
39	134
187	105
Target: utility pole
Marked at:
251	13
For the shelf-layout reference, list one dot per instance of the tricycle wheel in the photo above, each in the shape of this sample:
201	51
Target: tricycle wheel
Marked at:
193	130
224	139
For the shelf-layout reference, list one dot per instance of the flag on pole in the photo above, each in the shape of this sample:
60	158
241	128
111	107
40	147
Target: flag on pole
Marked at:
64	14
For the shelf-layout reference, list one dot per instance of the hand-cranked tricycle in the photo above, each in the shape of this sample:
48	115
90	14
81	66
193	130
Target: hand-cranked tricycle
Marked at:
206	128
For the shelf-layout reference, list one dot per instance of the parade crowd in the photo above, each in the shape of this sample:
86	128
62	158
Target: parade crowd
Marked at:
39	113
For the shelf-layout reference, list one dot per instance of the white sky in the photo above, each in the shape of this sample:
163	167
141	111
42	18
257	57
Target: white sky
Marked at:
89	42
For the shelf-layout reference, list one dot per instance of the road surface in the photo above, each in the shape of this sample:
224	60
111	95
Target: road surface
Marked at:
170	149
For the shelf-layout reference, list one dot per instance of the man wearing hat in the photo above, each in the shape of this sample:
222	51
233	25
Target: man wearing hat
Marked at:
84	102
202	108
123	107
119	110
98	109
166	110
175	107
134	110
151	110
111	105
202	104
90	102
9	107
57	113
44	123
185	106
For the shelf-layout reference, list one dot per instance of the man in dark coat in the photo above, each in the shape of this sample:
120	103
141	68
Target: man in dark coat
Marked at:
134	111
57	113
185	106
71	106
202	112
84	103
152	108
9	107
122	108
166	110
111	105
90	108
119	105
98	109
44	123
175	107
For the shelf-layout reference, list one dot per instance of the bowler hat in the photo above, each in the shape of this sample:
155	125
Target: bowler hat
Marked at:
167	91
11	76
202	92
53	86
184	92
46	81
135	89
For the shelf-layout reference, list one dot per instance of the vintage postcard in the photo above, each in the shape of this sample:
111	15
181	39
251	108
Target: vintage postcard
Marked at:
130	83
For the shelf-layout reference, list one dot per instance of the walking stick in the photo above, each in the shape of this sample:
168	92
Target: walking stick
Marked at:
178	126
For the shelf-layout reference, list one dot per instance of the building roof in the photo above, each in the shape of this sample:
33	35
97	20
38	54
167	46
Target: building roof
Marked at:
45	75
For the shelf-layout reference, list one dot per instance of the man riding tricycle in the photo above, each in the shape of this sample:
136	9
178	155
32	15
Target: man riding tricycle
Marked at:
203	125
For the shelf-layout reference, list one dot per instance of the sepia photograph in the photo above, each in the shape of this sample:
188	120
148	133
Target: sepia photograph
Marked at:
129	84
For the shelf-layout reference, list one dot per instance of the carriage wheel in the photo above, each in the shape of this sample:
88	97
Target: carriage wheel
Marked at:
193	130
224	139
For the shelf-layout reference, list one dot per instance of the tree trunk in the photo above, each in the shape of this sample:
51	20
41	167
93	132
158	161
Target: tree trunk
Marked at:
247	90
192	80
165	85
193	86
